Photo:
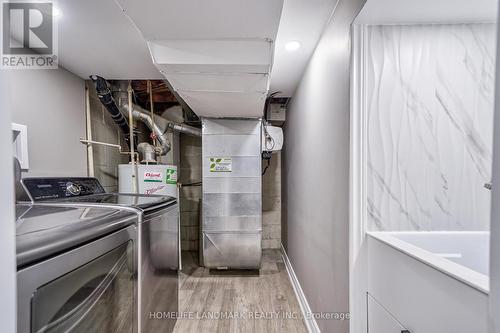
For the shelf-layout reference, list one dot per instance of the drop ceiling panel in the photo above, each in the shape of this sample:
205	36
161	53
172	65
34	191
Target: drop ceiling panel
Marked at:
220	105
219	82
202	19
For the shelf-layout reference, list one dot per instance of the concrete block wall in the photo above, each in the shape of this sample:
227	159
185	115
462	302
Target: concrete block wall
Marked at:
190	196
271	204
106	159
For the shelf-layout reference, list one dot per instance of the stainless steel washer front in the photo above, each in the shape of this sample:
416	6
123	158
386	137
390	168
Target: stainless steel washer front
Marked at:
87	289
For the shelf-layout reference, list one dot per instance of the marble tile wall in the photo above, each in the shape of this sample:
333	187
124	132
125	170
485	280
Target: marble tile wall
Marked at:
429	103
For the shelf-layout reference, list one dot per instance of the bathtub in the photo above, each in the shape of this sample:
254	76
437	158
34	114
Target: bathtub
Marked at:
428	281
464	255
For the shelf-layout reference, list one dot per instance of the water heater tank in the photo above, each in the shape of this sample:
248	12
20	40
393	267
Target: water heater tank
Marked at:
152	179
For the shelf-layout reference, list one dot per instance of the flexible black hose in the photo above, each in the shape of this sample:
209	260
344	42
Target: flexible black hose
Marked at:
107	100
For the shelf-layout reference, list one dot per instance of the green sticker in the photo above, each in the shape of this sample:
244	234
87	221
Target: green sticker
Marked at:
171	176
221	164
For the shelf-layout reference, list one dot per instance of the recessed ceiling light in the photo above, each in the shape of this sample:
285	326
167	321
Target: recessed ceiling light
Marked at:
56	12
292	45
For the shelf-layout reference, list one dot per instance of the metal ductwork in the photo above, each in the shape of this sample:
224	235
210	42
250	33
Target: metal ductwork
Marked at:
162	125
108	101
179	99
186	129
158	127
147	152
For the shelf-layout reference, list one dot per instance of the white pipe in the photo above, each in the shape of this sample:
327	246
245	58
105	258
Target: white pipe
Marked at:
90	150
131	126
91	142
151	106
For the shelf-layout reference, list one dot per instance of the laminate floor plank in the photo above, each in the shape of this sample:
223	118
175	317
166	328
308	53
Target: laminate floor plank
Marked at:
237	301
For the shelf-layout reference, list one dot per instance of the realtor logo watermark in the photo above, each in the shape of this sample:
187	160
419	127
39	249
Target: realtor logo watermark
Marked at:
29	35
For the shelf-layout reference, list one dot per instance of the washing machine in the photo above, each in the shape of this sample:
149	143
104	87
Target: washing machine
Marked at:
158	246
76	269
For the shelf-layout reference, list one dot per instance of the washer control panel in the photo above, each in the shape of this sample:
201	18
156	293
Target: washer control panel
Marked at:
40	189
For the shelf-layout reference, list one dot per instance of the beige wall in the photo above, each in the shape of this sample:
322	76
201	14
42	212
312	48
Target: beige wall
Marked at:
8	228
51	103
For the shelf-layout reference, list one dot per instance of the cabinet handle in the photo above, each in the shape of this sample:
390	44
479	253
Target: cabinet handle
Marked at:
405	331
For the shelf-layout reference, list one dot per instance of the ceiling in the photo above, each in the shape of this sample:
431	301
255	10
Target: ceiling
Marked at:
130	39
95	37
302	21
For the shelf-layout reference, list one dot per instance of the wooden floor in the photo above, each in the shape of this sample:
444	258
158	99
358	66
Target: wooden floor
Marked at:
264	300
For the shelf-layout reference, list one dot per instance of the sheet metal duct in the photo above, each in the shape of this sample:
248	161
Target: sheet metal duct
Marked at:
186	129
162	125
232	195
219	61
147	152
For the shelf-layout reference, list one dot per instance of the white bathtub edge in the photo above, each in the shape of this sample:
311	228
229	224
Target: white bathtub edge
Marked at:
459	272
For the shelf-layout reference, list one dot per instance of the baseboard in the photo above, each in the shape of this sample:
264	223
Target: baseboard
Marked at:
309	321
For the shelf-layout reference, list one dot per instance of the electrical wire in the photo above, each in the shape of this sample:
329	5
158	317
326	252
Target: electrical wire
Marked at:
267	166
270	139
267	136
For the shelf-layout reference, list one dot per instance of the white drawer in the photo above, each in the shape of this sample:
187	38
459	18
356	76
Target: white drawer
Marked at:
381	321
